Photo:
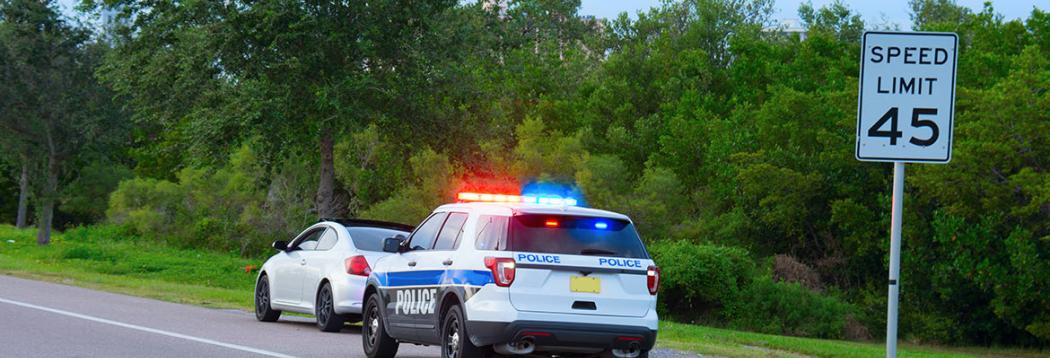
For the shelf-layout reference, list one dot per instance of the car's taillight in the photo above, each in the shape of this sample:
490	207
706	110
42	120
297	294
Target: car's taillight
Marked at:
357	265
653	274
502	270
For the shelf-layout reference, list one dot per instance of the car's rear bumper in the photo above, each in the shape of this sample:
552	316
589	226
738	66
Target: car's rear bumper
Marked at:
348	291
562	334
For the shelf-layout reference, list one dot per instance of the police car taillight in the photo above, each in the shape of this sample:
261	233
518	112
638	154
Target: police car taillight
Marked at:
502	268
653	274
357	266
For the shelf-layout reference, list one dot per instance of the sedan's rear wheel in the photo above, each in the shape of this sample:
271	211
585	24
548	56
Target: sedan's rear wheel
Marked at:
263	311
327	319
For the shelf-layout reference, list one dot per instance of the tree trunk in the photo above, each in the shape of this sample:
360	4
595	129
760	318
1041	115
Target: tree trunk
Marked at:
23	195
47	213
47	202
330	204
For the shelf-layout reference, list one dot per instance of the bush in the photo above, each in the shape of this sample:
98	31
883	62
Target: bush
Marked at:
787	308
88	252
431	181
216	210
700	279
788	269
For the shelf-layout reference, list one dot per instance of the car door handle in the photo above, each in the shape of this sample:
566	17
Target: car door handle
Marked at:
412	264
447	262
302	262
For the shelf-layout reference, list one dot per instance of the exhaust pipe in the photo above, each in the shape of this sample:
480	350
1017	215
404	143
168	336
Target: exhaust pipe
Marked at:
522	347
632	351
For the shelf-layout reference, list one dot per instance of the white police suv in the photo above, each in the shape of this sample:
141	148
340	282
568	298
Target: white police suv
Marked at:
514	275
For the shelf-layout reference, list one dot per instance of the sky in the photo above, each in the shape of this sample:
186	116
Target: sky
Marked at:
875	12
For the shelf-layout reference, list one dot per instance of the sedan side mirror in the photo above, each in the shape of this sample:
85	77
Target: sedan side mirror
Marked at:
280	245
393	244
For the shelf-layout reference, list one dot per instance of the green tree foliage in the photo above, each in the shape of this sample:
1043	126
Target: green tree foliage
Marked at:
699	280
925	13
226	209
369	164
430	185
54	112
293	73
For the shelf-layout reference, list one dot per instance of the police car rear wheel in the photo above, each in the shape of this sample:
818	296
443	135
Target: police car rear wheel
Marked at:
455	341
327	319
377	343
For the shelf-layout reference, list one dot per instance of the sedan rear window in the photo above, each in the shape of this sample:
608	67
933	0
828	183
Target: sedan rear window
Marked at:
575	235
371	238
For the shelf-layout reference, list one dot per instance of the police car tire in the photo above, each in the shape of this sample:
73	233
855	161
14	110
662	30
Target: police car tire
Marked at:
385	346
324	310
466	348
263	311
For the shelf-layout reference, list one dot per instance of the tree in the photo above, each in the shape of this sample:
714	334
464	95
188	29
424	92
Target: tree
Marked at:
294	73
927	12
55	107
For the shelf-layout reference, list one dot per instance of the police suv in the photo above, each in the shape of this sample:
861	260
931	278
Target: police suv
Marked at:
514	275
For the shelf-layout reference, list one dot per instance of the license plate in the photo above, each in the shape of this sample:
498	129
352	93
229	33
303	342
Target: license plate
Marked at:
585	284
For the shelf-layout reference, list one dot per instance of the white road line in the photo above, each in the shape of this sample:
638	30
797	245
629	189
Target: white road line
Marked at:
147	329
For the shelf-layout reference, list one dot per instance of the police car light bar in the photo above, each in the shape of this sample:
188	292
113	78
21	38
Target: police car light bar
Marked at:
505	198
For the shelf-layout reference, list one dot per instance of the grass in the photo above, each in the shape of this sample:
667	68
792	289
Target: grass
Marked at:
729	343
107	258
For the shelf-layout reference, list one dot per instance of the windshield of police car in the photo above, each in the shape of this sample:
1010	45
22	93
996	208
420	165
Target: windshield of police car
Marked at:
575	235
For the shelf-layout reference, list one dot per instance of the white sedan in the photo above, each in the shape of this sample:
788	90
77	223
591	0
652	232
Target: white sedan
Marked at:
323	271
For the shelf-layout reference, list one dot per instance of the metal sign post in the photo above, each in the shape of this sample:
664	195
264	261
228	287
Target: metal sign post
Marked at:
895	258
905	77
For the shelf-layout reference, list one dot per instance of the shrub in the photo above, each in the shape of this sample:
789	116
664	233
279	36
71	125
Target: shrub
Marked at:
700	279
788	269
430	185
787	308
97	232
216	210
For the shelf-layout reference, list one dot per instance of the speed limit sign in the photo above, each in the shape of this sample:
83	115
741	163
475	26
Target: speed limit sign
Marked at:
907	97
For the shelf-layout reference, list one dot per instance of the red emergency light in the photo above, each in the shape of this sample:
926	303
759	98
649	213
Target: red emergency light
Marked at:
492	198
512	198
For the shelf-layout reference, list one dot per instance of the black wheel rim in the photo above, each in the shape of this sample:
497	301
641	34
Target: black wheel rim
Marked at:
371	327
262	297
324	310
452	337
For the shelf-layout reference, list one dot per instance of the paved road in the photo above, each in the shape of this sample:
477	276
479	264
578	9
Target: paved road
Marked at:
39	319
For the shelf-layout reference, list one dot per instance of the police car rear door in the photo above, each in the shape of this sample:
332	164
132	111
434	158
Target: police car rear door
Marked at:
578	265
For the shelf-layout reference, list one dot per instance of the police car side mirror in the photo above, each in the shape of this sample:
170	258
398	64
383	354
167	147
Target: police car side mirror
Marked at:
393	244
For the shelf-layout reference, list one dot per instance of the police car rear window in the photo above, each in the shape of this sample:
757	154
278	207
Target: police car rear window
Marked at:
575	235
371	238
